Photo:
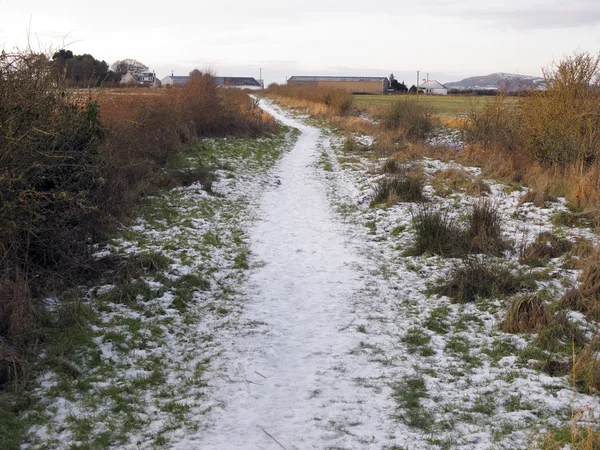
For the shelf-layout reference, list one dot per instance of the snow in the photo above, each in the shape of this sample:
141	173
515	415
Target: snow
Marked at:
314	348
292	377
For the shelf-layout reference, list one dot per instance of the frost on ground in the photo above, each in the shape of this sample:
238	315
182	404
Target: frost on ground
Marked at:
286	312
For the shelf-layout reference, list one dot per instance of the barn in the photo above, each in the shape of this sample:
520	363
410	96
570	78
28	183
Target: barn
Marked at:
355	85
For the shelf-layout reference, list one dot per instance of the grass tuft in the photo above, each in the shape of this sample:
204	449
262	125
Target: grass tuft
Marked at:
474	279
545	247
406	188
527	314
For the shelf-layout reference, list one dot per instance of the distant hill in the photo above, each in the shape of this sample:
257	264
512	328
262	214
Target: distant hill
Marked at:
505	81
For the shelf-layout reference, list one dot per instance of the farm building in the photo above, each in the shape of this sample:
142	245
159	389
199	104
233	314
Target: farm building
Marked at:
355	85
238	82
174	80
433	87
235	82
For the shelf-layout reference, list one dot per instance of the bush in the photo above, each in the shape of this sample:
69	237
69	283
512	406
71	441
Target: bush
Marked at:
72	167
474	279
496	124
412	117
407	188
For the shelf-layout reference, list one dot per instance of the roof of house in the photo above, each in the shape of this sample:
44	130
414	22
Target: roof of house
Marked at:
432	84
236	81
334	78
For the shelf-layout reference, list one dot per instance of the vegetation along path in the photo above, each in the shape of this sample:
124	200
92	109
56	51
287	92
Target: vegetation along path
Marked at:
297	304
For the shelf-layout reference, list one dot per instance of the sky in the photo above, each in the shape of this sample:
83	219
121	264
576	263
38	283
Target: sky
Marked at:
449	39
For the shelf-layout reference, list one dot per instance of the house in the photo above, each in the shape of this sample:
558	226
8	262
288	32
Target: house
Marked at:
433	87
354	85
238	82
141	78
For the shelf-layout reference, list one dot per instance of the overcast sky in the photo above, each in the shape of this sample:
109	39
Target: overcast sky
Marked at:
450	39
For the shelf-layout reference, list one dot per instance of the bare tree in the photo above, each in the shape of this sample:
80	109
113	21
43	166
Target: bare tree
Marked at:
123	66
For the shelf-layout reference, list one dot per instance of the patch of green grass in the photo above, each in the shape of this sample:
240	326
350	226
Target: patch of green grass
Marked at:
484	404
396	231
416	340
437	320
516	403
371	226
408	393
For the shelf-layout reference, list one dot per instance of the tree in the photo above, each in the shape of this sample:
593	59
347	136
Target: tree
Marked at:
85	70
392	79
400	87
123	66
412	90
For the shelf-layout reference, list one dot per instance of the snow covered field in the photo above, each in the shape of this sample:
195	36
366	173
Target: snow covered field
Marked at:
287	316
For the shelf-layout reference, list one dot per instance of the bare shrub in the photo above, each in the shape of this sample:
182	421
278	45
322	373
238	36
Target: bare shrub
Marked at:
495	124
412	117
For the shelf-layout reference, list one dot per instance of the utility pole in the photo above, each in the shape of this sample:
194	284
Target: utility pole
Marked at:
262	85
418	72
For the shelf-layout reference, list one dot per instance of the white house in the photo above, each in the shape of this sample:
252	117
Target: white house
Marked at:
141	78
433	87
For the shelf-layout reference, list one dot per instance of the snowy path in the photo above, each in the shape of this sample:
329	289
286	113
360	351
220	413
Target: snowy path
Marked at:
293	376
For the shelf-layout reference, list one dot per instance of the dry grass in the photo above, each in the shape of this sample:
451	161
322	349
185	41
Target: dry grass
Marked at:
399	188
586	368
527	314
545	247
484	229
586	298
453	180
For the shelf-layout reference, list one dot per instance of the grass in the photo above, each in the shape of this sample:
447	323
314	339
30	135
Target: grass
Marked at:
436	232
450	181
440	234
451	106
527	314
408	394
545	247
473	279
408	188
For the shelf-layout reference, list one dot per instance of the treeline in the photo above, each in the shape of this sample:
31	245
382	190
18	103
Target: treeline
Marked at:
85	71
71	168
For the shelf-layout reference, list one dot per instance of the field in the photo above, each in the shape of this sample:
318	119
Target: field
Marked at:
446	106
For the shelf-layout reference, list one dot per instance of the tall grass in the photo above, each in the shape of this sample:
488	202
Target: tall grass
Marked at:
338	101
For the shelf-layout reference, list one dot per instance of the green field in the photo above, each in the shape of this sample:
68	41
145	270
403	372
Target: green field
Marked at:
447	106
